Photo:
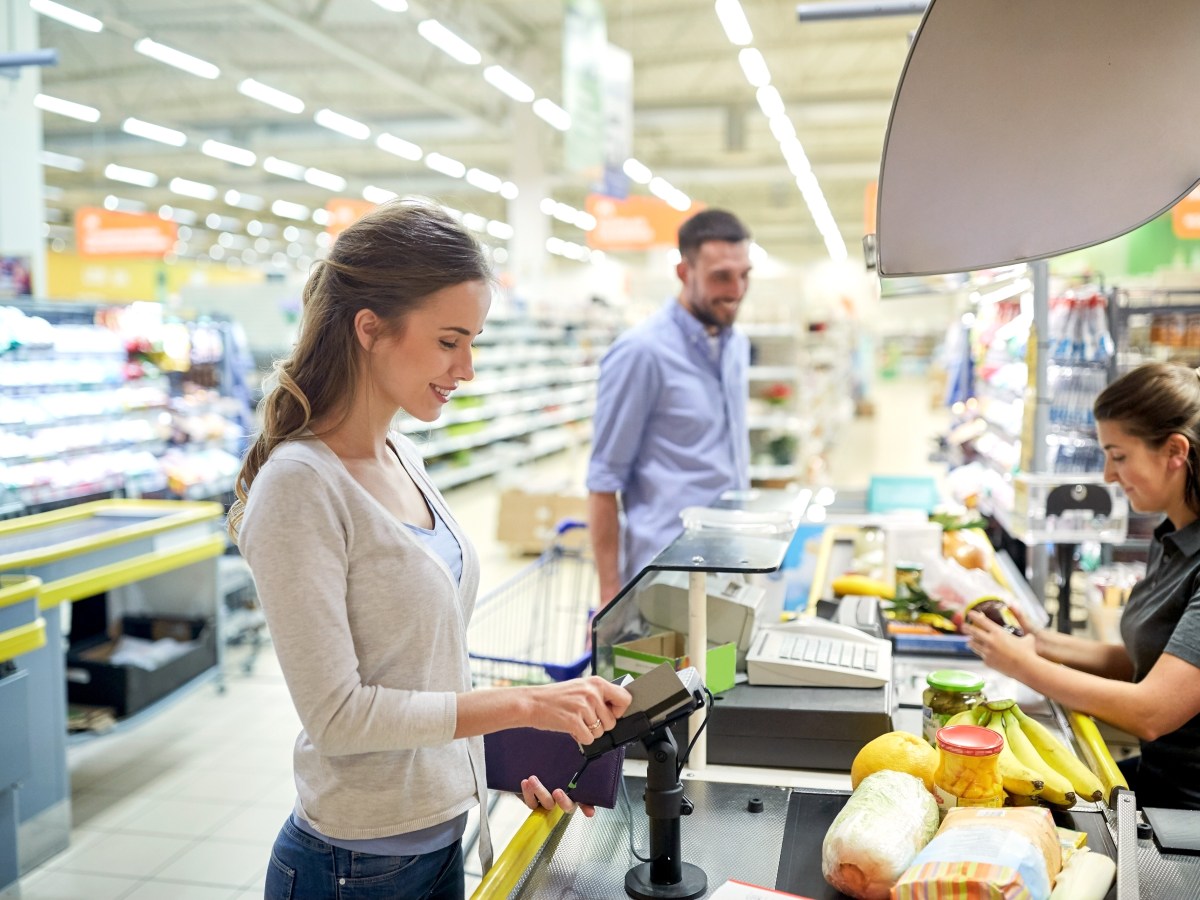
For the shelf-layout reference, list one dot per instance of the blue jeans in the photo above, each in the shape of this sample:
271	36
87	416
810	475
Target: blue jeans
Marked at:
306	868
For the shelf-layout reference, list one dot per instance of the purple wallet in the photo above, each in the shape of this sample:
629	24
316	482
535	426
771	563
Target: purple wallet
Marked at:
516	753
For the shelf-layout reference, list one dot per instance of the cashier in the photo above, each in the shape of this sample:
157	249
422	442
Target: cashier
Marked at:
1148	422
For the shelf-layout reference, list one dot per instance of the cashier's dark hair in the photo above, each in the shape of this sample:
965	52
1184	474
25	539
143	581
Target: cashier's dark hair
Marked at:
390	261
710	225
1153	402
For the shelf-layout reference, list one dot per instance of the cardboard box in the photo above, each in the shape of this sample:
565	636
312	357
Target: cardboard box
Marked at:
640	656
93	680
528	518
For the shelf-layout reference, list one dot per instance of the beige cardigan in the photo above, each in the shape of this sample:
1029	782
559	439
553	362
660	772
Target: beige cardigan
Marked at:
371	634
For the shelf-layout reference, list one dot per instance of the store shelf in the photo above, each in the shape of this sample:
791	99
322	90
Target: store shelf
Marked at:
773	473
774	373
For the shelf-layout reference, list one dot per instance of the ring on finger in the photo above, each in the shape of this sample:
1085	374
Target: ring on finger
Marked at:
594	725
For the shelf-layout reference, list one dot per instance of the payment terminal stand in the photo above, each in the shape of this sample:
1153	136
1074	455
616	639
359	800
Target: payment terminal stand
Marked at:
665	874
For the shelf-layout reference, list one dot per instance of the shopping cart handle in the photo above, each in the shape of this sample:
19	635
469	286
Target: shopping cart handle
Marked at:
568	525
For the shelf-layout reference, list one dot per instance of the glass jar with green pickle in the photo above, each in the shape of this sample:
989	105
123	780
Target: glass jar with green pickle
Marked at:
949	692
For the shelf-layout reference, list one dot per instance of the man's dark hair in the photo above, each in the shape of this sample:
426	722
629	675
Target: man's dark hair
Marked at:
710	225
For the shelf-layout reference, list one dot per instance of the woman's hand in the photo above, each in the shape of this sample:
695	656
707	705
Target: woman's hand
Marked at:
998	648
536	794
584	708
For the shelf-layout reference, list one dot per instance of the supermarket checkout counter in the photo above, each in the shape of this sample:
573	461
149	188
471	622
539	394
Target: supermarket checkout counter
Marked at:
157	563
778	757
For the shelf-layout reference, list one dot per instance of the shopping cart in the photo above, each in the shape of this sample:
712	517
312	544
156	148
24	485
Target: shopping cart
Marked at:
533	629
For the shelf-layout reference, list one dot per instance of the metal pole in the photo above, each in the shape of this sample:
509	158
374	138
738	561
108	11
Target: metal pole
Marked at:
826	12
698	657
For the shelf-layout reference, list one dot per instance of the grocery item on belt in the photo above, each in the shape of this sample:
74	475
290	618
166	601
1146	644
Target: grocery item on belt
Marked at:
886	821
999	854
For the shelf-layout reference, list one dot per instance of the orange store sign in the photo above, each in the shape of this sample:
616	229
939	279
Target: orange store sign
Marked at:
1185	217
102	232
636	223
344	212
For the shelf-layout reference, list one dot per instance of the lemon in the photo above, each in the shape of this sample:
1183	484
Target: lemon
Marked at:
898	751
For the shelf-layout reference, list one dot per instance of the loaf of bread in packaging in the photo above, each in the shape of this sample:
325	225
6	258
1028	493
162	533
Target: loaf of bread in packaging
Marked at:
986	854
887	820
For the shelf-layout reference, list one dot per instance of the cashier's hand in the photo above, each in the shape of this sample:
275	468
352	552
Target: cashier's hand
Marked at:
535	794
999	649
584	708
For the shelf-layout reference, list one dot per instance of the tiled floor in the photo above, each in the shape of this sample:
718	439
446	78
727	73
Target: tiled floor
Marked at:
183	803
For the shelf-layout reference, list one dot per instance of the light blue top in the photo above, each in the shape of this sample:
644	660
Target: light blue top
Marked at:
670	426
440	539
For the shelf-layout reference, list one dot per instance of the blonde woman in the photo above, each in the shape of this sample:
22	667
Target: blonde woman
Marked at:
367	581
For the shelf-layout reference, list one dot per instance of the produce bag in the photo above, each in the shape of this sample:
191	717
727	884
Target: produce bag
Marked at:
888	818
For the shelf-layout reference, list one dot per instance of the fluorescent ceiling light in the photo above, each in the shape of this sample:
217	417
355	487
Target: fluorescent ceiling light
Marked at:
62	161
585	220
377	194
782	128
485	180
152	132
508	83
397	6
197	189
474	221
449	42
770	102
140	177
399	147
501	230
638	171
176	58
552	114
680	201
327	118
121	204
754	67
263	93
564	212
66	108
184	217
229	153
283	168
446	165
660	187
288	210
733	20
547	206
243	201
66	15
797	159
323	179
509	191
321	217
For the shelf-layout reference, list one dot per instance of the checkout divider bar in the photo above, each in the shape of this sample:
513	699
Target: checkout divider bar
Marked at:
136	568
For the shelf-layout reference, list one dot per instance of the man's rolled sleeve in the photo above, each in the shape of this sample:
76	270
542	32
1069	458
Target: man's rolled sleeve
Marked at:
628	385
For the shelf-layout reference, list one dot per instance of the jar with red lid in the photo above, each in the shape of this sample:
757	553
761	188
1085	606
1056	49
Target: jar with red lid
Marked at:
968	770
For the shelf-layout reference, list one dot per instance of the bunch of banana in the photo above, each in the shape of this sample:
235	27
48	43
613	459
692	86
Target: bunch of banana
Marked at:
1033	763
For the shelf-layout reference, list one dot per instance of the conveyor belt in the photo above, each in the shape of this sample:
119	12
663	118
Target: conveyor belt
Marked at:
721	836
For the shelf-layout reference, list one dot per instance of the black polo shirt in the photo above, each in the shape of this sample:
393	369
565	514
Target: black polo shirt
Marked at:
1163	615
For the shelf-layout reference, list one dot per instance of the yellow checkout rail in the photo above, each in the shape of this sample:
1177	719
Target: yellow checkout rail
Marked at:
151	557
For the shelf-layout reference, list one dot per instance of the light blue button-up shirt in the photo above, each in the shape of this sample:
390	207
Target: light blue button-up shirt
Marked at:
670	426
